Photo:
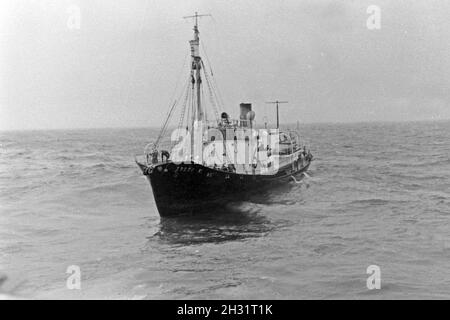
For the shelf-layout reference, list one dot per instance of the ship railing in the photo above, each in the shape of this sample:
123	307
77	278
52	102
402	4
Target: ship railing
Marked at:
157	154
295	139
230	123
162	153
297	151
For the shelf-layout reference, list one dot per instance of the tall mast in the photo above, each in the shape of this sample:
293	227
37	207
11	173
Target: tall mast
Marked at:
196	80
196	66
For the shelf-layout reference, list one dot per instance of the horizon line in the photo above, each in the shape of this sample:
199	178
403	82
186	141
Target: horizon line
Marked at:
293	123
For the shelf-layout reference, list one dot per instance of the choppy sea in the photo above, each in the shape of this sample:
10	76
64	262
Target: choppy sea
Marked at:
376	194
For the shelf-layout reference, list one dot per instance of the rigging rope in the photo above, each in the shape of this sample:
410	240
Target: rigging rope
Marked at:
189	107
214	83
185	101
169	114
211	93
179	77
163	129
166	122
219	98
207	58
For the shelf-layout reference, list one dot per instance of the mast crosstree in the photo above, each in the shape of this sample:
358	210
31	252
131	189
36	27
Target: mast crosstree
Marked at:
196	16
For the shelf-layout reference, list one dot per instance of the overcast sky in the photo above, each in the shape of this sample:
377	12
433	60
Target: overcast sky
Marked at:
120	68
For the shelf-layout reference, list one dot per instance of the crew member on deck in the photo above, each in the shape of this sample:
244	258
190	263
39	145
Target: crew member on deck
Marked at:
165	154
154	155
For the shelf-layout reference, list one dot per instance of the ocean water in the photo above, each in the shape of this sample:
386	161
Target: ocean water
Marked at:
377	194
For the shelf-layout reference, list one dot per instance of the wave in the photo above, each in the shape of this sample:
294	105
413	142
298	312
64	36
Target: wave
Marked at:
118	186
430	163
371	202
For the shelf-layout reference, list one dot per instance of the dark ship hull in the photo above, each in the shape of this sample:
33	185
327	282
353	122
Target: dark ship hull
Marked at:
181	189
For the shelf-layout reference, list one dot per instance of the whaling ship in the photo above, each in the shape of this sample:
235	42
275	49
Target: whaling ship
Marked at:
215	162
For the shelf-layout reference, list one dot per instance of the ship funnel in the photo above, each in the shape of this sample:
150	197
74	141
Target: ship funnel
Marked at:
245	109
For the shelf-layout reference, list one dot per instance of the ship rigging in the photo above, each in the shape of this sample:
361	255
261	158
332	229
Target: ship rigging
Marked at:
212	162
